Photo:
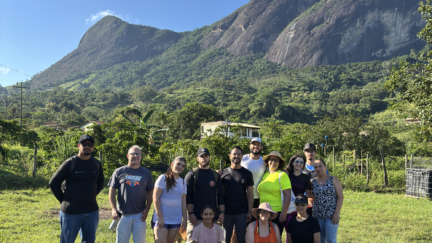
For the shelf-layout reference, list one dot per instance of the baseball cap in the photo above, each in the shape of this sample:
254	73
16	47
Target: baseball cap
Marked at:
309	146
256	140
301	200
86	137
202	151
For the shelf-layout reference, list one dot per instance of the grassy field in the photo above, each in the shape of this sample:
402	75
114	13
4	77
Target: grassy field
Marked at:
32	216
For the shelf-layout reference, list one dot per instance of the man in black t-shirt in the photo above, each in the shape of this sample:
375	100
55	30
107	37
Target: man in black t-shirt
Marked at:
84	178
238	186
204	186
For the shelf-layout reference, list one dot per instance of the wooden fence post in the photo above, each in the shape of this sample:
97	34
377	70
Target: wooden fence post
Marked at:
354	161
361	162
406	161
367	169
35	160
343	165
384	167
220	164
334	165
411	161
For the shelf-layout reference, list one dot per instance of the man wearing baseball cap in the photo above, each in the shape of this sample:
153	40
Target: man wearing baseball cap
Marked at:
83	176
204	186
255	164
310	153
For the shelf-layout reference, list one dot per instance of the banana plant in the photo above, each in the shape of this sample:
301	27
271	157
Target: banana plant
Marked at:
153	138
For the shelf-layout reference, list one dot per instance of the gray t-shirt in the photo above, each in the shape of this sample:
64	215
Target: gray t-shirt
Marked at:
132	185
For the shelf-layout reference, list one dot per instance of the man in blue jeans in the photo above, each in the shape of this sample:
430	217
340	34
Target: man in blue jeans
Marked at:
135	190
79	211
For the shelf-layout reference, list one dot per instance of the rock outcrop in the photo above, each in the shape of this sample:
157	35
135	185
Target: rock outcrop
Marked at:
343	31
109	42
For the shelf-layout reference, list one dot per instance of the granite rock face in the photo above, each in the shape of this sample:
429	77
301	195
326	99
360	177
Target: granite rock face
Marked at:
255	27
349	31
299	33
109	42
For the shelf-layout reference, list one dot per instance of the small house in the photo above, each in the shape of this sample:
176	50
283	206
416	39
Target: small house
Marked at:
247	130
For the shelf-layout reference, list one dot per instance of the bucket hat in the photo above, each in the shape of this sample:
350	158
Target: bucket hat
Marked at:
274	153
266	207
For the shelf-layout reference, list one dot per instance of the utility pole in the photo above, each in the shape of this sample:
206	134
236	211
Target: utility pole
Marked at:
5	100
21	87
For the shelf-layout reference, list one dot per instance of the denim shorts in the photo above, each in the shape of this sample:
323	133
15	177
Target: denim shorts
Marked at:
167	226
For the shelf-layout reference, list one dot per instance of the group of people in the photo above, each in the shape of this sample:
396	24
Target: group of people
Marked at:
254	199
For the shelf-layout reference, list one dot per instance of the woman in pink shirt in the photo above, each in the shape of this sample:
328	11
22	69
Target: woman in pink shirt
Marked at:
208	231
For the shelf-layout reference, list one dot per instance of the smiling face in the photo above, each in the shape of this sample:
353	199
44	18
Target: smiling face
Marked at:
299	163
273	163
134	157
301	208
255	147
264	215
236	156
208	215
178	166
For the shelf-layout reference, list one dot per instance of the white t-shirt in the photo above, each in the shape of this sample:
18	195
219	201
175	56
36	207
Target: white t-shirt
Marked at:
171	202
257	168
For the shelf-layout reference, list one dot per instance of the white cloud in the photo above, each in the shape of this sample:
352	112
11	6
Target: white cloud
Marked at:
4	70
94	18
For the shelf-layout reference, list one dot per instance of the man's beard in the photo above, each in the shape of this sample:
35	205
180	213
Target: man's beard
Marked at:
87	152
205	164
257	153
236	161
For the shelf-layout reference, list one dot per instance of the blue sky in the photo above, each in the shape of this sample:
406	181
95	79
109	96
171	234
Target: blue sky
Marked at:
36	34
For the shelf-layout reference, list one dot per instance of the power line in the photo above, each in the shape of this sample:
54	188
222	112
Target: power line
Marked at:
16	70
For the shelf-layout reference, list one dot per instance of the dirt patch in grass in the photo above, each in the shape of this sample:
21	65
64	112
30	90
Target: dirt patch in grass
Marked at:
104	213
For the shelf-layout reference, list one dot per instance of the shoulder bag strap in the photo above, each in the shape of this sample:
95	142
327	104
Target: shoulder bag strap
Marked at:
235	179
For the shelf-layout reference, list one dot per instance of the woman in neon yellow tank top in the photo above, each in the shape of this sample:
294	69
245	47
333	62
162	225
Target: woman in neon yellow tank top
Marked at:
270	188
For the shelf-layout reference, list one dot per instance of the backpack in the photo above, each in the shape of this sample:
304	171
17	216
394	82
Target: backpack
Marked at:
195	175
72	166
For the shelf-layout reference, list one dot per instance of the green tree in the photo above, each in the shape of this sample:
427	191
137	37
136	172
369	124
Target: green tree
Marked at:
186	123
412	82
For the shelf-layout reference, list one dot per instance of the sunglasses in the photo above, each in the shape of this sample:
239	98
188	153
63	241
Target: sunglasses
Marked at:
299	162
274	160
301	204
87	144
135	154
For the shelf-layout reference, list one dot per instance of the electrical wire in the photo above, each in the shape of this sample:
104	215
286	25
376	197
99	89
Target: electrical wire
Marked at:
16	70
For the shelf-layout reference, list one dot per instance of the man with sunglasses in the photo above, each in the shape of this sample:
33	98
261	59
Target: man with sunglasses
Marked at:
134	197
83	177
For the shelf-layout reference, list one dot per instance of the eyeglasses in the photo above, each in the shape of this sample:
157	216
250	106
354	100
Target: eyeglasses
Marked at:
87	144
237	154
298	162
274	160
135	154
301	204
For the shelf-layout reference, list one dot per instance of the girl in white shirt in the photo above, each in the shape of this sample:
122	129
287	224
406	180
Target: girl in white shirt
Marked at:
169	198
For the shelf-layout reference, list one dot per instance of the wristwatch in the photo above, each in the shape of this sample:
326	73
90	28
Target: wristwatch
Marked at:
190	212
222	212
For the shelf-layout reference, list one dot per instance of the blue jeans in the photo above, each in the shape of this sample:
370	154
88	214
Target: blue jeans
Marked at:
85	223
328	230
131	224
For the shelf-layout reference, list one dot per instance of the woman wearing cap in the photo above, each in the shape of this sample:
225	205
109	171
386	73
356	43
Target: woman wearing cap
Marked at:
263	230
303	228
328	199
272	183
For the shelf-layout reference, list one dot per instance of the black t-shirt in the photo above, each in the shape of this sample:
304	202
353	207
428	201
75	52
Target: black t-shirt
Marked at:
205	191
300	183
83	184
312	174
302	232
235	199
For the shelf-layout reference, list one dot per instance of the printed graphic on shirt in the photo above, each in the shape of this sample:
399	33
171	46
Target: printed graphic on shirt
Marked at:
212	183
132	180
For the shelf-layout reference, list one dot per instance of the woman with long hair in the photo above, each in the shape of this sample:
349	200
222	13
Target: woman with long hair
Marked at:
300	182
275	187
169	198
328	200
